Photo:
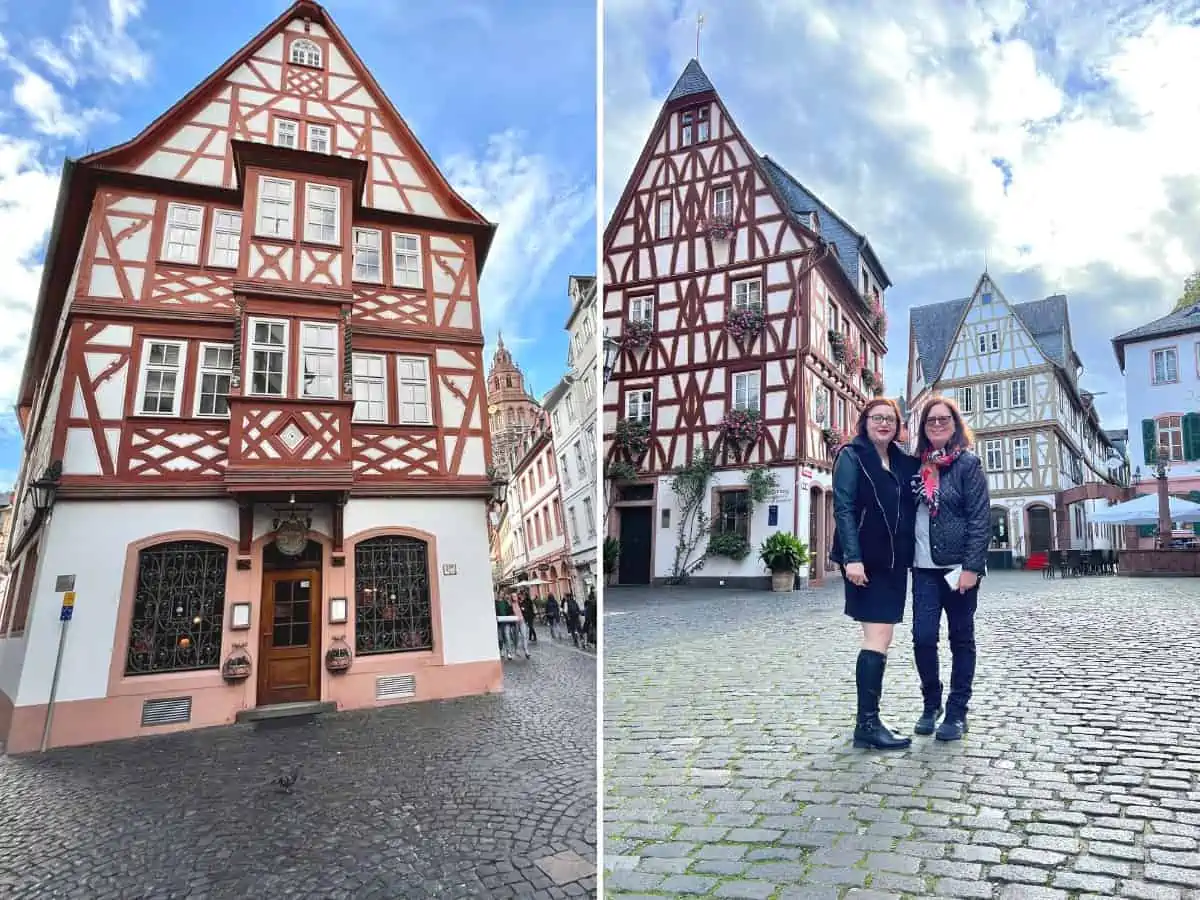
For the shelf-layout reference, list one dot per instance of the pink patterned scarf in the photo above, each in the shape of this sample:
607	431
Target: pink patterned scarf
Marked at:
927	481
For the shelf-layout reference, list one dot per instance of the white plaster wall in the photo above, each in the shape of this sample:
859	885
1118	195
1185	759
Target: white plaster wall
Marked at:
460	526
1144	400
719	566
89	540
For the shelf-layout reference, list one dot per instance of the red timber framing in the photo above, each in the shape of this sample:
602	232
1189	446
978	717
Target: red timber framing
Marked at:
122	307
689	275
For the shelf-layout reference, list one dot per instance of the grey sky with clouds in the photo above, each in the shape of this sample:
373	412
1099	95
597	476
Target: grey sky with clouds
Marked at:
905	117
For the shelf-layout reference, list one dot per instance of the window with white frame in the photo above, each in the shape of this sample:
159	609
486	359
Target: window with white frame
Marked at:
268	356
1022	456
287	133
276	198
580	465
574	524
413	387
1166	365
991	396
318	359
746	390
588	517
989	341
368	258
663	212
1170	437
162	377
570	405
181	242
562	467
966	399
747	293
226	238
641	309
406	260
321	222
319	138
637	405
702	124
370	387
1019	391
589	389
306	53
723	203
993	455
216	373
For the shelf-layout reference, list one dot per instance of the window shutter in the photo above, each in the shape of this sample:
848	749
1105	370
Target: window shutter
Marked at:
1191	436
1147	530
1194	496
1150	441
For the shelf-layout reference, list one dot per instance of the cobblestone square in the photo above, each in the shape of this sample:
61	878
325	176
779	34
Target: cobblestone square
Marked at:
729	770
454	799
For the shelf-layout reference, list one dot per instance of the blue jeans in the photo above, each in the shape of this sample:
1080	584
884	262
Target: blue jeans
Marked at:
931	597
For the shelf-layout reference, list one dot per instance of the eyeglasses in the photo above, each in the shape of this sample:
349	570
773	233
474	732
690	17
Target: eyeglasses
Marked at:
939	421
882	420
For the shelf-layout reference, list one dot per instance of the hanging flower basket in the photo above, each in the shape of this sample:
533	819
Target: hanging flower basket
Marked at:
852	361
719	228
633	437
834	438
741	427
837	345
637	334
237	666
338	657
872	380
877	316
745	323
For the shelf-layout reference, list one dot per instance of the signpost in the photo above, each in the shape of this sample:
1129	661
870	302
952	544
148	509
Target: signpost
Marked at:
65	585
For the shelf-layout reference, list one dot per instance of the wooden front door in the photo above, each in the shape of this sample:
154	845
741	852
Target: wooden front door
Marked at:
289	647
634	564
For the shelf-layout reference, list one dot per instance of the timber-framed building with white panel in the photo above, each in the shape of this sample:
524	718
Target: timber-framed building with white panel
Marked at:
731	289
256	374
1013	369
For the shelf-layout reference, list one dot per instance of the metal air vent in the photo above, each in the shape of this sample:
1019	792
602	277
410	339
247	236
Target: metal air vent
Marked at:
168	711
393	687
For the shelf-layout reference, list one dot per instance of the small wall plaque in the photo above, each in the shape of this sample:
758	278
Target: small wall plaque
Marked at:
337	610
64	583
239	617
449	569
772	515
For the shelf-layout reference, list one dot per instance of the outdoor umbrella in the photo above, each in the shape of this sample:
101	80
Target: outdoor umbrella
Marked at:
1143	510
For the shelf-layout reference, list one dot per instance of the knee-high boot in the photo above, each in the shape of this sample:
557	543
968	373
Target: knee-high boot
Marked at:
868	730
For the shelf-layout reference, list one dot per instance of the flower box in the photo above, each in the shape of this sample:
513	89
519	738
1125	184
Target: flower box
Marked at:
741	426
637	333
745	323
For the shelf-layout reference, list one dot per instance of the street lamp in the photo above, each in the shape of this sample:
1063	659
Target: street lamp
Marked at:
42	491
611	346
499	490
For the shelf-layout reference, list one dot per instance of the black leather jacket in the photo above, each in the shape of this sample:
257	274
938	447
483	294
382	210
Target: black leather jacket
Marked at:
960	533
873	509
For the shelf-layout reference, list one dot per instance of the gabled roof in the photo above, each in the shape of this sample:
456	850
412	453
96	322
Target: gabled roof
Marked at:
1180	321
936	325
692	81
850	243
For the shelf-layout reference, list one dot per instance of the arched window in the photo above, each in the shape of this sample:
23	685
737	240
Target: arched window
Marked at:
178	608
306	53
392	608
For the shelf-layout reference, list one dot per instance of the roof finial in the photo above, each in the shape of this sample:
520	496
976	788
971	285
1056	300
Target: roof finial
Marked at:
500	340
699	28
985	260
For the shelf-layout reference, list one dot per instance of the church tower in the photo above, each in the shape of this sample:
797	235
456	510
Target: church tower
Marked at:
512	409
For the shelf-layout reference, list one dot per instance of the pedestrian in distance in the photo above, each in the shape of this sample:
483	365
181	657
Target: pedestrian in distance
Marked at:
552	616
528	612
952	536
504	608
589	617
572	615
873	512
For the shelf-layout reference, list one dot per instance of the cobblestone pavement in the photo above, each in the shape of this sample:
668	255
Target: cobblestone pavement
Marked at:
455	799
729	770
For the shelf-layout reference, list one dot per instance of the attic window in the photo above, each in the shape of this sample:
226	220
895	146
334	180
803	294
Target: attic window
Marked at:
693	126
306	53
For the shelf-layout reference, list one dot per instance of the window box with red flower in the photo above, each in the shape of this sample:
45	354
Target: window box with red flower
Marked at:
745	322
637	334
837	345
834	438
741	426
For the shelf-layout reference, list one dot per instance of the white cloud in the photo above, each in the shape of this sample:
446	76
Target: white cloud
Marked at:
539	208
49	113
894	113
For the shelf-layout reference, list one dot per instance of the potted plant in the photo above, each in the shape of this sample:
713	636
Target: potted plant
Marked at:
837	345
633	436
729	544
785	555
337	657
741	426
612	553
637	333
745	322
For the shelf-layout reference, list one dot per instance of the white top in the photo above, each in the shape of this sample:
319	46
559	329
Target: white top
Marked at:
924	556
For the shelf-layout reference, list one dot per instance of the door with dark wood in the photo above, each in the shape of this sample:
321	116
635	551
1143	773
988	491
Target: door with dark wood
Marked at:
289	646
633	566
1040	536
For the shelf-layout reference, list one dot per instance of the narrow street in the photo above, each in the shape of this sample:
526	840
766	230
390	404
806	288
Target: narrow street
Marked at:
729	770
480	797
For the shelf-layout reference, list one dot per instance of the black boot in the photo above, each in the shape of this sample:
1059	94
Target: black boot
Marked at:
868	730
928	721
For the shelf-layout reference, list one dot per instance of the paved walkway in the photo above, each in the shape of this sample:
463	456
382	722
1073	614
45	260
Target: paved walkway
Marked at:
481	797
729	771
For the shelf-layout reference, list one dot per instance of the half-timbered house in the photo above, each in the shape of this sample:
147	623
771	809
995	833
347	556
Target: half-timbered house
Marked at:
255	382
750	325
1014	372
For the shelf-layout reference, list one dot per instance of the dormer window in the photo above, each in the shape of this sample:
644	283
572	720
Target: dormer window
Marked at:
693	126
306	53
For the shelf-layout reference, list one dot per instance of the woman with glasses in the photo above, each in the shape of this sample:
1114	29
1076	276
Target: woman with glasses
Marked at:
952	532
873	512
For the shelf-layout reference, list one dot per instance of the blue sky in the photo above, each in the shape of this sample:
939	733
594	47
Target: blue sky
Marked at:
1055	138
501	94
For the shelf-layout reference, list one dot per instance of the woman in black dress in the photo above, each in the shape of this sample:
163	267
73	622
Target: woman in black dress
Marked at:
873	511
